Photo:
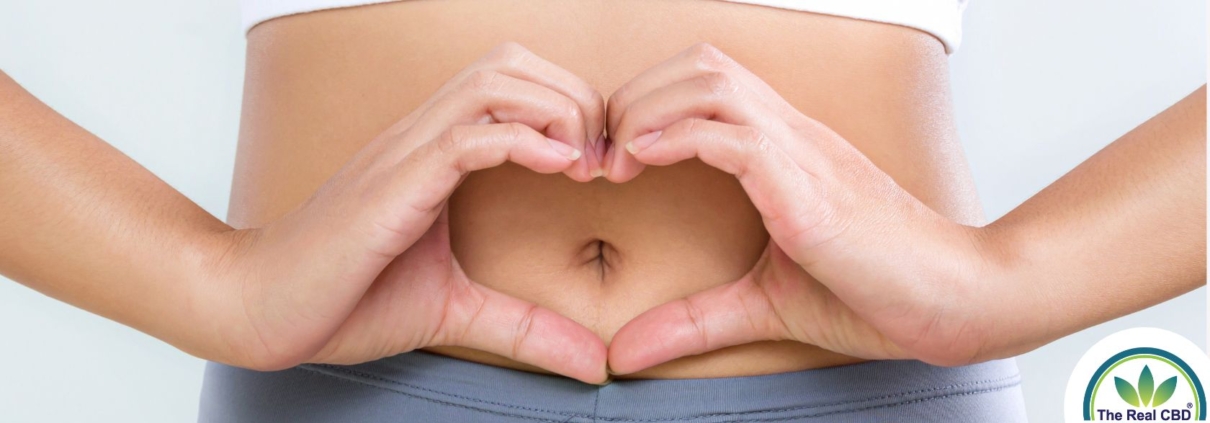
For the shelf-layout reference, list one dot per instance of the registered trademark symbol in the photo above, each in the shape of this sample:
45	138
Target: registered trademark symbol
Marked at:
1188	405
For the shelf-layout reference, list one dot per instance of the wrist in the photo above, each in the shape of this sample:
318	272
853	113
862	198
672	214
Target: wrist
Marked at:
953	320
221	267
999	301
252	279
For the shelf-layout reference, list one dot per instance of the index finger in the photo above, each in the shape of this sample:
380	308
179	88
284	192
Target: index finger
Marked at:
516	61
694	61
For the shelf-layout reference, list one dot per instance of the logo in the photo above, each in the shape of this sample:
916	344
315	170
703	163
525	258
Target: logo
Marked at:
1141	395
1140	374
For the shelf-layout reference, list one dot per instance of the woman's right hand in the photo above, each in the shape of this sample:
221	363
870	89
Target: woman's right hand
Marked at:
363	269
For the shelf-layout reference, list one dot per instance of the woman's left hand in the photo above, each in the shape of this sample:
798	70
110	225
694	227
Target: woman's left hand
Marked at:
855	264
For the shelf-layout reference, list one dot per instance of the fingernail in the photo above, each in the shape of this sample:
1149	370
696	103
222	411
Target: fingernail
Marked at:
641	143
593	162
571	153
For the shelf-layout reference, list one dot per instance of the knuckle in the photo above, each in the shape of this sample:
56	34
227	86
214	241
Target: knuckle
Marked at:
482	80
688	128
749	146
754	139
617	100
718	84
463	308
708	57
514	131
521	332
754	143
572	111
698	319
598	100
452	140
596	104
509	54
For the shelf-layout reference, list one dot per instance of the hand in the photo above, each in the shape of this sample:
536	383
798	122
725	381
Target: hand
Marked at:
855	264
363	269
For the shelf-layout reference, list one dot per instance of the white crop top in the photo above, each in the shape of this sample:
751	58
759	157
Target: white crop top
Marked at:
941	18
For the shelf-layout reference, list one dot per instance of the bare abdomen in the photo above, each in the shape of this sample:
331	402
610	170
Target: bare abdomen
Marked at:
321	85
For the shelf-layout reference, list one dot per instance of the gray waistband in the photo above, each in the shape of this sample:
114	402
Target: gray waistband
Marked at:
842	389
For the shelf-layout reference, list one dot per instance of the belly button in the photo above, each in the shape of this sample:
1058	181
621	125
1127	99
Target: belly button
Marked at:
609	257
601	256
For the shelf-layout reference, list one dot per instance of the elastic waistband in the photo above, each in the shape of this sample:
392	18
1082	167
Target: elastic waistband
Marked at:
862	386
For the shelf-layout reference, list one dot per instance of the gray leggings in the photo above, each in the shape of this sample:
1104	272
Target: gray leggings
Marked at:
424	387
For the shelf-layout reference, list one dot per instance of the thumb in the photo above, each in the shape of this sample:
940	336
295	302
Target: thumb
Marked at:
485	319
737	313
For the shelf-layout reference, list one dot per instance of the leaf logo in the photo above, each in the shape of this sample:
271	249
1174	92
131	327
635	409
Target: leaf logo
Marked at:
1147	395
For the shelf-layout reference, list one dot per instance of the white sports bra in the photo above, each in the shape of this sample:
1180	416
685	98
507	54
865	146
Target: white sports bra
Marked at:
941	18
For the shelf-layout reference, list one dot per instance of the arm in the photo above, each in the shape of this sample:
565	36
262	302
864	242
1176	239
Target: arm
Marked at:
857	265
359	271
83	223
1123	231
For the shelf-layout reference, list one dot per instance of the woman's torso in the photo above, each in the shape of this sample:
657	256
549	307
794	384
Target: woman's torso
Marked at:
321	85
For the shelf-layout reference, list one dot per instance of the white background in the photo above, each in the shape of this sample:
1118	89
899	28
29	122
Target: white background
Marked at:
1039	86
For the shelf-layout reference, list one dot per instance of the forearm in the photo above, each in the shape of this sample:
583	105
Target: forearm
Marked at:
357	272
83	223
858	265
1122	231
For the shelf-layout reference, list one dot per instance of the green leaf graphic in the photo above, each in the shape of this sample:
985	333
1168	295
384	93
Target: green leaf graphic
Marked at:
1164	391
1146	386
1126	391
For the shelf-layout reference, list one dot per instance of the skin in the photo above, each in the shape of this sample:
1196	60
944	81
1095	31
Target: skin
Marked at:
857	265
366	265
377	276
599	252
